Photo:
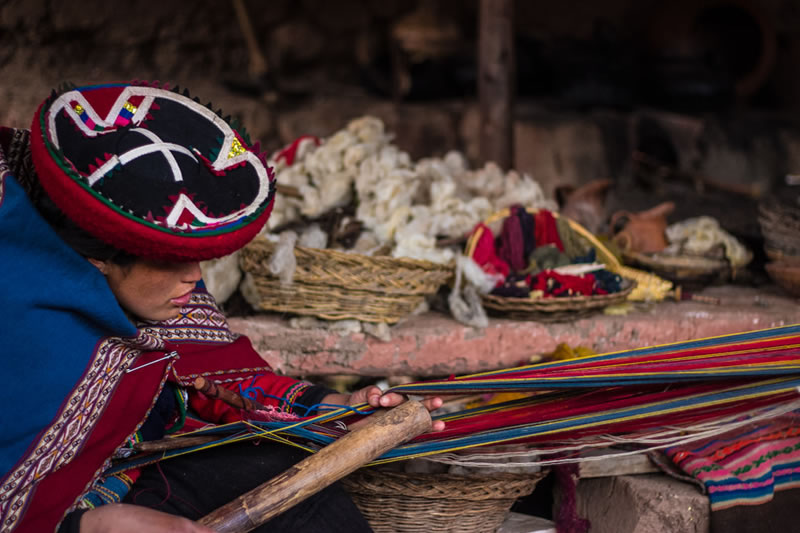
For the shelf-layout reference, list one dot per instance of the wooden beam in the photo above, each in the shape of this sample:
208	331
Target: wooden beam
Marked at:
379	433
620	465
496	81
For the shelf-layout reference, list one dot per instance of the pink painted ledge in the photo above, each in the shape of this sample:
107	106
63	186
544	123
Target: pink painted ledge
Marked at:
435	345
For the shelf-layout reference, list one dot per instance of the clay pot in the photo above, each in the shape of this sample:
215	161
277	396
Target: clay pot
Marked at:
586	205
642	232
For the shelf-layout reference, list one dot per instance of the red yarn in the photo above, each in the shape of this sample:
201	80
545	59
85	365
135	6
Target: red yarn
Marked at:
512	243
546	229
485	254
567	519
555	284
290	152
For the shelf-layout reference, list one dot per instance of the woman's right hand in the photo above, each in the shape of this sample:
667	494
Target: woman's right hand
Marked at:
126	518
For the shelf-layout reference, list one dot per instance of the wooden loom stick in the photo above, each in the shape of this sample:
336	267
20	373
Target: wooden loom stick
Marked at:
172	443
380	434
238	401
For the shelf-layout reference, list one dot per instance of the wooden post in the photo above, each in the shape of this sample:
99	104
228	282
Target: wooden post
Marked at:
496	81
381	433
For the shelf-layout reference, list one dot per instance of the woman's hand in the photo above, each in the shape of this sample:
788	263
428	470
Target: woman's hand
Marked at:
375	397
126	518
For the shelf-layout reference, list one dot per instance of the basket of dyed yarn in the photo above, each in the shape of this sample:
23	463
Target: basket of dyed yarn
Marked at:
549	267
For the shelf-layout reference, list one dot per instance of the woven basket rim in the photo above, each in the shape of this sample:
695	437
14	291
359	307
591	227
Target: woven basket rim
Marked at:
558	304
778	256
418	503
775	206
783	266
786	275
702	265
778	224
449	486
342	256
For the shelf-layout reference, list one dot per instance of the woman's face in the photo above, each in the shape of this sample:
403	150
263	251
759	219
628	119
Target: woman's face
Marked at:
151	290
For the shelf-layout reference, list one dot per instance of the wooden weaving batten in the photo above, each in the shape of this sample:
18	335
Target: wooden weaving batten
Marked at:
378	435
231	398
172	443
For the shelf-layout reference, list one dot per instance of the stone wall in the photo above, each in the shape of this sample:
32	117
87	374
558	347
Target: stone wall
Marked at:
313	47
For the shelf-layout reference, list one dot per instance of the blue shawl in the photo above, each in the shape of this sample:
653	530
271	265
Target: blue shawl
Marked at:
43	282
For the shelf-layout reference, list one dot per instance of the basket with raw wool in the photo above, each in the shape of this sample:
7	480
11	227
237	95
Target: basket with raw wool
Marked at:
540	306
780	226
689	271
694	252
336	285
470	501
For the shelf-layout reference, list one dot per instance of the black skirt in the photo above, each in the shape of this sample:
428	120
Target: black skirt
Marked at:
196	484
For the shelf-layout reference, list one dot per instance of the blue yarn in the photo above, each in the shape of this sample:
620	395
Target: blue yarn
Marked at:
110	490
253	391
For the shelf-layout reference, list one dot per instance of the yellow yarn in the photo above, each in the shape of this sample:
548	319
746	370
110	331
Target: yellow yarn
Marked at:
564	351
649	287
498	397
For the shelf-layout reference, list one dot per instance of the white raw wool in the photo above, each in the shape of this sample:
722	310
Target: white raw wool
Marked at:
249	290
698	236
307	322
404	204
483	281
283	262
366	244
313	237
222	276
345	327
465	305
380	331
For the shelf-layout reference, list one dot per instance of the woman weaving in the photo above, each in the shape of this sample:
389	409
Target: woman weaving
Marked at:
106	208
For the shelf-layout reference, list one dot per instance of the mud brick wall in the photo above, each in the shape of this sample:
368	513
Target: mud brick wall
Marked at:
313	46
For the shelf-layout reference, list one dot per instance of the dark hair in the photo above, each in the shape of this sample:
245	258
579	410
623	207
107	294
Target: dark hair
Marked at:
81	241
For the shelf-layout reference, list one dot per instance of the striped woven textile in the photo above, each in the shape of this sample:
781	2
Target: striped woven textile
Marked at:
745	467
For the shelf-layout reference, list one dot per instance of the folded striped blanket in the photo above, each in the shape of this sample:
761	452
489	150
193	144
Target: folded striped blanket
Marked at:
746	466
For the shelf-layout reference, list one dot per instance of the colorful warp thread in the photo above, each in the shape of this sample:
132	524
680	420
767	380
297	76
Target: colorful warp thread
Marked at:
683	397
657	396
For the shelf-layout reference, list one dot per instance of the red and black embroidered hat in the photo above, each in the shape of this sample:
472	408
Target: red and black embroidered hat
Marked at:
151	171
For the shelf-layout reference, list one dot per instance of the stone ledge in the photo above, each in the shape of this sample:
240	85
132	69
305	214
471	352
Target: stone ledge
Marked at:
434	344
649	503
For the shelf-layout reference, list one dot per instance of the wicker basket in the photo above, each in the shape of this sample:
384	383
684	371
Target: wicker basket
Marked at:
686	270
555	309
780	227
781	256
786	275
338	285
561	308
421	503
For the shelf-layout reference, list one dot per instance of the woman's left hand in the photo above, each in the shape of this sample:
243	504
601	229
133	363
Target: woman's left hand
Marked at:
375	397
